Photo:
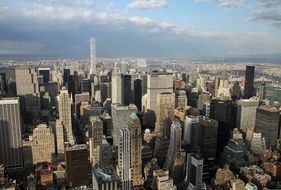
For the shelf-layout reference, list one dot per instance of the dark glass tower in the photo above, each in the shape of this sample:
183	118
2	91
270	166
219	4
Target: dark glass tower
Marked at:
73	85
66	73
138	93
221	111
249	82
127	89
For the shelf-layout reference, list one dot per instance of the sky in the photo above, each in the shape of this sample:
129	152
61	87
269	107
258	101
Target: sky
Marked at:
141	28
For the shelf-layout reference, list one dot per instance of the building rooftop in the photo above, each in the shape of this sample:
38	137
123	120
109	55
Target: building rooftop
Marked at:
76	147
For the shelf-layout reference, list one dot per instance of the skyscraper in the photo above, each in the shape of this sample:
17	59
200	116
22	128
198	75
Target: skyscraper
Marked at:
127	93
76	159
42	144
249	81
28	88
95	131
93	56
267	123
124	159
194	172
64	107
221	110
165	109
208	137
45	72
246	114
138	93
66	74
120	117
134	127
60	137
175	145
3	84
73	85
10	133
117	88
157	83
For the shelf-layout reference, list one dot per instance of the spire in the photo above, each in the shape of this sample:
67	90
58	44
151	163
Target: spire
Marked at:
224	74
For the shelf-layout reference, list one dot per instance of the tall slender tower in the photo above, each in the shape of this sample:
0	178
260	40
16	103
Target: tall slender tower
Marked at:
93	56
136	152
123	167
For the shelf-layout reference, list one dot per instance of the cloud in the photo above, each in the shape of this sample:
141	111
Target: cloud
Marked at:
49	29
228	4
270	3
147	4
20	47
267	16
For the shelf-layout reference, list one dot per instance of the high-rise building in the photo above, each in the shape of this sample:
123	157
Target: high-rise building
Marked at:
221	110
234	152
124	159
77	166
165	109
175	144
138	93
202	98
60	138
120	117
157	83
10	133
181	99
127	93
93	56
73	85
246	114
28	88
267	123
236	91
134	127
42	144
161	149
3	84
191	126
142	66
163	181
208	137
86	85
249	81
64	107
95	131
117	88
194	172
45	72
261	91
79	98
224	90
66	74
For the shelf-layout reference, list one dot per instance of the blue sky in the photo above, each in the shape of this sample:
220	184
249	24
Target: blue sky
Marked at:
141	28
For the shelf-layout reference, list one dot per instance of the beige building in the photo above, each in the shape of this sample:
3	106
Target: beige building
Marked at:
28	87
95	133
42	144
157	83
64	107
134	127
246	114
60	136
165	110
163	181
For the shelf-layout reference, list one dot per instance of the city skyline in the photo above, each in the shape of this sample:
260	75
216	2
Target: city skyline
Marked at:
147	28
